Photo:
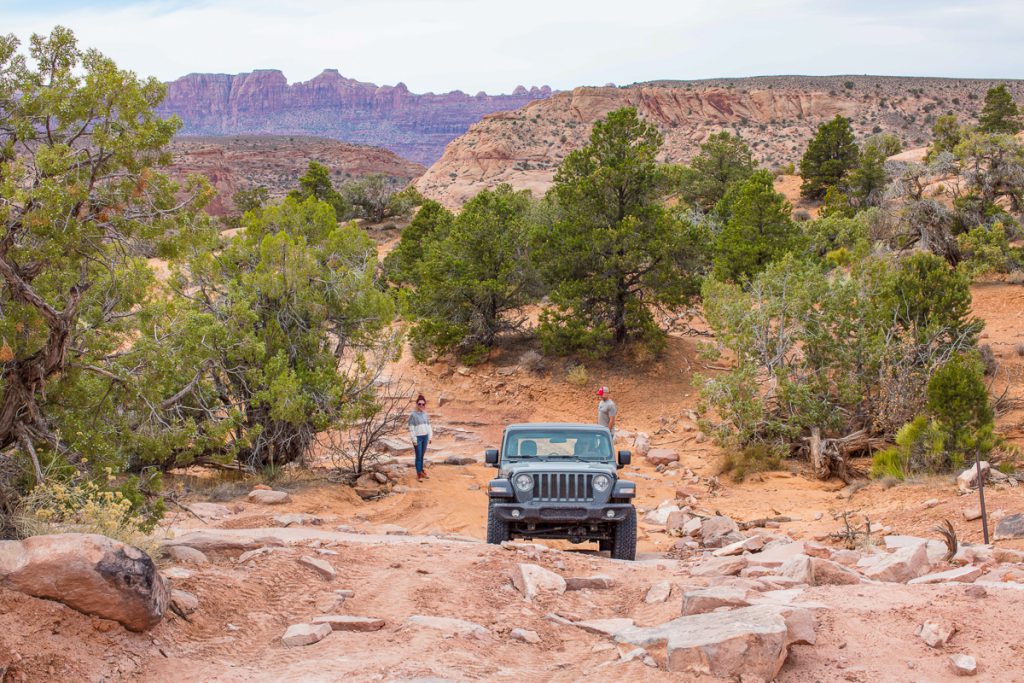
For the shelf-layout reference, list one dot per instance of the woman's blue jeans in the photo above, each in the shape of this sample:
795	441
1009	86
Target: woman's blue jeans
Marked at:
421	450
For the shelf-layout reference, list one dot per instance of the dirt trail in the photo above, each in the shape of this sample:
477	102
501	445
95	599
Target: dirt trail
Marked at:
867	633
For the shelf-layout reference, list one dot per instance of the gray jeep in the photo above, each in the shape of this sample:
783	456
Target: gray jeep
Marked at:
558	480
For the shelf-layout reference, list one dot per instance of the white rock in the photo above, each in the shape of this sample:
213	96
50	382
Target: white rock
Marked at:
305	634
965	574
776	554
752	544
968	479
532	579
963	665
265	497
936	633
524	635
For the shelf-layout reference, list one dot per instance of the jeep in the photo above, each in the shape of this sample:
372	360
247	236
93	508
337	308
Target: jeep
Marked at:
558	480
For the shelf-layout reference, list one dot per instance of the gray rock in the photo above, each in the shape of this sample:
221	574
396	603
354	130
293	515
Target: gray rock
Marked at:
1011	526
596	582
968	479
718	531
184	601
298	635
459	460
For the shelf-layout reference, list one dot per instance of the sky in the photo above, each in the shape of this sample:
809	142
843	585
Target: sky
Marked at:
473	45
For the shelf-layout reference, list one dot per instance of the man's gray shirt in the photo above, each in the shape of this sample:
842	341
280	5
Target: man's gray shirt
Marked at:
606	410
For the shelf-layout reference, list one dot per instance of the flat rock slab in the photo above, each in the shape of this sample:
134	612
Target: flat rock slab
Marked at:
705	600
298	635
321	567
1011	526
661	456
532	579
265	497
596	582
248	539
658	593
966	574
448	625
721	566
775	555
344	622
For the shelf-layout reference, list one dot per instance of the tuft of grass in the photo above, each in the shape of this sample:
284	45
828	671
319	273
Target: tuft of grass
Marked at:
578	375
753	458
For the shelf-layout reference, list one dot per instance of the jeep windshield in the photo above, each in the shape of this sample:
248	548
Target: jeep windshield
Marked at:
531	444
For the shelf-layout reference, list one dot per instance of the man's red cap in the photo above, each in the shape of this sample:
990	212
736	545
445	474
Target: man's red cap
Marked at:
602	391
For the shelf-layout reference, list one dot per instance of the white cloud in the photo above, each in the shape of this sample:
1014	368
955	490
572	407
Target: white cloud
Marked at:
476	45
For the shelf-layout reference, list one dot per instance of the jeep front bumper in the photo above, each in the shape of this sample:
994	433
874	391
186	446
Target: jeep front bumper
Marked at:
561	512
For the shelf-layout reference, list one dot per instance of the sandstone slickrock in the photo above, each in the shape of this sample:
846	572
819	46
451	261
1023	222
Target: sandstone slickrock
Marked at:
704	600
901	566
532	579
448	625
298	635
90	573
1011	526
777	554
965	574
321	567
596	582
345	622
265	497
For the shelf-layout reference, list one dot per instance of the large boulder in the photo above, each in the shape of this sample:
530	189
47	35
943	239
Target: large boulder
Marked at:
1011	526
90	573
901	566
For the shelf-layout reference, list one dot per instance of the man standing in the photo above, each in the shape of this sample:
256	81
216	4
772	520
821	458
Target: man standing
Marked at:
606	410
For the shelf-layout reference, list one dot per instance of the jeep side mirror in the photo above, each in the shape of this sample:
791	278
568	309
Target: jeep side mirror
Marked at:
491	456
625	457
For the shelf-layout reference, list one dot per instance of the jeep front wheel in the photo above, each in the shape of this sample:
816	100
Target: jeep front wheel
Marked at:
624	538
497	528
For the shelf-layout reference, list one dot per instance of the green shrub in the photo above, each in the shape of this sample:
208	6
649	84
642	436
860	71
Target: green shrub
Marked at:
887	463
752	458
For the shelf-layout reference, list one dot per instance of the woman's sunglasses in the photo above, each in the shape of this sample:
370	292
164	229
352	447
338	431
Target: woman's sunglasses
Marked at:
421	403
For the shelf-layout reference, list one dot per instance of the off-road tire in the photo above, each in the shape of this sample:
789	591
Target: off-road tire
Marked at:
624	538
497	529
604	545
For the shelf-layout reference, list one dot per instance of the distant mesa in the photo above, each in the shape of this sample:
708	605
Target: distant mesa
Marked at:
415	126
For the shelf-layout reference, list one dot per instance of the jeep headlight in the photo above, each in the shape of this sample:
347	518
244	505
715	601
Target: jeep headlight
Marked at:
601	483
523	482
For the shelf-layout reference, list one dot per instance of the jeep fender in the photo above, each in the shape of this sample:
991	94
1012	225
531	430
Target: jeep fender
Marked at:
499	488
624	489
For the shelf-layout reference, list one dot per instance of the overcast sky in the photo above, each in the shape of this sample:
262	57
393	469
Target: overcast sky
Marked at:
472	45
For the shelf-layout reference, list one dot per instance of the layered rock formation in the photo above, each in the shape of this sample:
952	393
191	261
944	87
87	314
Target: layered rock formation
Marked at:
243	162
776	115
415	126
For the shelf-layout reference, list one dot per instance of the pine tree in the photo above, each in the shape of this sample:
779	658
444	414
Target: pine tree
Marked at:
829	156
1000	113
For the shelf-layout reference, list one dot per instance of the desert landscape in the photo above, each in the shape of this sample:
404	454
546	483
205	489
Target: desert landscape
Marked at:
805	295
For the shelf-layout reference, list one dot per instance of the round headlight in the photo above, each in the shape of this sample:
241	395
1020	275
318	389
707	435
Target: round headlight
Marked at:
601	483
523	482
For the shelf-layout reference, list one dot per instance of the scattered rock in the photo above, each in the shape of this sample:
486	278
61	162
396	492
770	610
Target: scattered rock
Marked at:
267	497
321	567
396	445
972	513
596	582
661	514
87	572
212	540
641	444
531	579
339	622
970	554
298	635
777	554
1011	526
661	456
718	531
815	571
525	635
936	633
721	566
676	522
709	599
752	544
659	592
968	479
450	627
963	665
298	518
186	554
901	566
184	601
976	592
459	460
965	574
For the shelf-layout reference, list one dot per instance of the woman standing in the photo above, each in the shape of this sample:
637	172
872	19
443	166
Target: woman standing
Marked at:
420	431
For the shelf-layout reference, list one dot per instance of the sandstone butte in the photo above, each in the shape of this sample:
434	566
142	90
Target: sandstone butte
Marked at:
776	115
415	126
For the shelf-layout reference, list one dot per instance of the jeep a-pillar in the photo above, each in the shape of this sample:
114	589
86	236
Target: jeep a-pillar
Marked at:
558	480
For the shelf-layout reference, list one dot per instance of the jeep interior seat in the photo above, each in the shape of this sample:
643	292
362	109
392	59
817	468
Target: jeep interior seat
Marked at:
528	447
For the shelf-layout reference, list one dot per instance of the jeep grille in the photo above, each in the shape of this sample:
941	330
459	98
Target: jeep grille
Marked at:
560	487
